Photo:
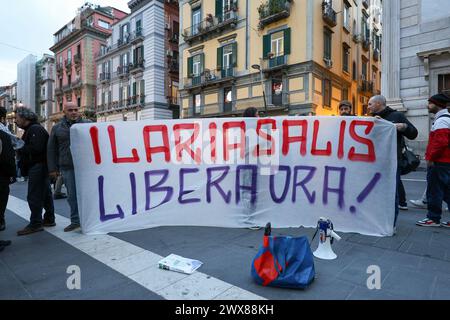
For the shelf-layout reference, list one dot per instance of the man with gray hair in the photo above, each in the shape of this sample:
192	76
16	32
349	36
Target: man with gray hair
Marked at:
60	159
378	108
33	162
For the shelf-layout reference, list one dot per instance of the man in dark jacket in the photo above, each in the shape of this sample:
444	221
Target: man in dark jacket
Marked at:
33	162
377	107
7	173
60	159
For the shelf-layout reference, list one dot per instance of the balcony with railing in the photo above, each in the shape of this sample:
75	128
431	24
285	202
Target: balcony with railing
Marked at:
137	36
104	77
328	14
59	69
275	63
77	59
376	54
210	78
366	44
137	66
127	104
68	65
367	86
59	91
173	65
272	11
122	72
77	84
211	26
67	88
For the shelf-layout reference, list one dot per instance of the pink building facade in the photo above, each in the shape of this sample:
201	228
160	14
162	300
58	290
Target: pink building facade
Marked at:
75	47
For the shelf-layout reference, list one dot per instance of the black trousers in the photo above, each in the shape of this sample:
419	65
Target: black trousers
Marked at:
40	195
401	194
4	194
438	190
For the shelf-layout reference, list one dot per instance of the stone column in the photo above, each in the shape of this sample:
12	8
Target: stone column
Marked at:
390	81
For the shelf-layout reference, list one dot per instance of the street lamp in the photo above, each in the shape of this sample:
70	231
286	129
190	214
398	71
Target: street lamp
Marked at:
258	67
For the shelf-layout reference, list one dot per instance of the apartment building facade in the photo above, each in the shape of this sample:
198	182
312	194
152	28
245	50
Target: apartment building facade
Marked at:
75	46
8	100
287	57
417	65
137	75
45	93
26	82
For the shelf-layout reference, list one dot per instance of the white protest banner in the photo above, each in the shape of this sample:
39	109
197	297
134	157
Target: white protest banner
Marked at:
236	173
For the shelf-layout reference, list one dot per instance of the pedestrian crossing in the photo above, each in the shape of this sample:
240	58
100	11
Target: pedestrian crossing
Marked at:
140	265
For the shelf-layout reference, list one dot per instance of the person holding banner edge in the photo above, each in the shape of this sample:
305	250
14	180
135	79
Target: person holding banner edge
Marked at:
60	159
438	162
378	108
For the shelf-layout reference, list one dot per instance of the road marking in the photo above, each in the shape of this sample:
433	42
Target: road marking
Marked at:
414	180
140	265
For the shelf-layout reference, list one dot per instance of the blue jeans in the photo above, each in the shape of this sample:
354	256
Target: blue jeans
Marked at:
438	190
69	181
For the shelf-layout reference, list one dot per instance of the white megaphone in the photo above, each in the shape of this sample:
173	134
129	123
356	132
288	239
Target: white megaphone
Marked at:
326	237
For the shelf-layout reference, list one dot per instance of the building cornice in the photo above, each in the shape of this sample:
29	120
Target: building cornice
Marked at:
77	34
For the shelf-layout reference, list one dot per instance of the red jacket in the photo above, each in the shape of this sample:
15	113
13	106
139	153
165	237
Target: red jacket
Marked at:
438	149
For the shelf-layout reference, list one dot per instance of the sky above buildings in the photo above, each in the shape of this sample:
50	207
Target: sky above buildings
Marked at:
27	27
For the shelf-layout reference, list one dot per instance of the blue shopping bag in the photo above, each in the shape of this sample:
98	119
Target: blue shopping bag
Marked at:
284	262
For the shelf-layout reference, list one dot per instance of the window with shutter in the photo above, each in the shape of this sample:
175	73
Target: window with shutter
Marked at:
287	41
266	46
219	58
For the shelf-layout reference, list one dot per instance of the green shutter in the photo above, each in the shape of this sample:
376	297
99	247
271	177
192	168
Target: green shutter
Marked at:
219	58
287	41
134	88
219	8
266	45
234	57
190	67
202	63
142	87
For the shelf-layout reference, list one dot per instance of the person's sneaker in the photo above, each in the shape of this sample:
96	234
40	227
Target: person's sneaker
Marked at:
403	206
428	223
445	224
419	204
48	223
58	196
72	227
395	231
2	226
29	230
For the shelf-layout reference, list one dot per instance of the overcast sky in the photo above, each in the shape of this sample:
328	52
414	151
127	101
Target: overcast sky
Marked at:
27	27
